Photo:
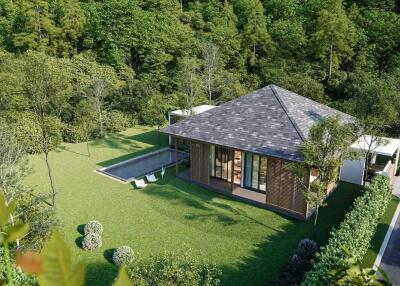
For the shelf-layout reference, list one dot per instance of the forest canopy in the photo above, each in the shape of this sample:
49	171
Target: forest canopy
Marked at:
101	66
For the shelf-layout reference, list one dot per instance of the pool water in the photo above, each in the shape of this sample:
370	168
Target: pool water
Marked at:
146	164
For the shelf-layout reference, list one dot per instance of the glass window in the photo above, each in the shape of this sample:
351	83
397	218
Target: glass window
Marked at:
263	174
222	163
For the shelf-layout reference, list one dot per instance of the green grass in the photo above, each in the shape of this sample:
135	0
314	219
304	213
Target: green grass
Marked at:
379	236
250	245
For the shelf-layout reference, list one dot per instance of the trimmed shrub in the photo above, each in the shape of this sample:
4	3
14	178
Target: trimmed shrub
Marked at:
307	248
354	233
298	264
91	241
93	226
123	255
175	268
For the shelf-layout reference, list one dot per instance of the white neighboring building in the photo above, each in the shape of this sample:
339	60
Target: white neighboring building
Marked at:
384	160
178	115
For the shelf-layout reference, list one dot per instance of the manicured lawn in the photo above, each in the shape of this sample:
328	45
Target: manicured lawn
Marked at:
379	236
251	245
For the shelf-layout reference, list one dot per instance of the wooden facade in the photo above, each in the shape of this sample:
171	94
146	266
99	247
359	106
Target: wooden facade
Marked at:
282	194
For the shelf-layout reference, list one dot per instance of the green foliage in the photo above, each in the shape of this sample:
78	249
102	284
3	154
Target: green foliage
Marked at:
116	121
72	134
123	255
354	233
353	274
26	128
335	35
42	220
58	268
180	269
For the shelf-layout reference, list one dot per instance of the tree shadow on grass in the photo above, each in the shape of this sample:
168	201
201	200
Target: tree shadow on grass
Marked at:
78	241
267	261
81	229
63	148
108	254
100	274
123	142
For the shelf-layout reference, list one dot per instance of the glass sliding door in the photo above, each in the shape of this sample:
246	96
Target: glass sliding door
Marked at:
255	173
248	167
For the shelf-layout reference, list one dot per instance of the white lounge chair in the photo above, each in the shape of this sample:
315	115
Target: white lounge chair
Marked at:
151	178
140	184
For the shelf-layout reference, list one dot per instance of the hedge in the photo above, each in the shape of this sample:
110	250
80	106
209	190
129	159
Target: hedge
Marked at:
354	233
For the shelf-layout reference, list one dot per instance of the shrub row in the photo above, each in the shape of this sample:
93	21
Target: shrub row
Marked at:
181	268
354	233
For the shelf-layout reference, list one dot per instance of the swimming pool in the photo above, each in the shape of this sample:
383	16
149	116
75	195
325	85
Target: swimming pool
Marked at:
137	167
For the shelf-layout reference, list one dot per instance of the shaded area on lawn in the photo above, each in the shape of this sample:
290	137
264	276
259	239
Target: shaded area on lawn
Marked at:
265	263
380	233
147	137
122	142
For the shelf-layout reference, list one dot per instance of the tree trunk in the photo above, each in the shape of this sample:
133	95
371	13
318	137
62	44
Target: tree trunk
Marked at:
46	154
87	147
101	123
315	223
330	60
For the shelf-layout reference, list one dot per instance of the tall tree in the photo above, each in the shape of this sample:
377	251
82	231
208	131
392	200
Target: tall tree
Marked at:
327	145
376	104
48	91
211	58
98	93
334	36
253	23
189	83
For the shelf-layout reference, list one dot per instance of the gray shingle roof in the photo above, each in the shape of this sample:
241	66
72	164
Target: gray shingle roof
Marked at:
270	121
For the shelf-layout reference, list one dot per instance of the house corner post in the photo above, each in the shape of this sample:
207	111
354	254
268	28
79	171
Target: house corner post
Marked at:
176	156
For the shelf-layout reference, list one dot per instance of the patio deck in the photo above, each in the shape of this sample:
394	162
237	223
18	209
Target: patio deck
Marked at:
224	187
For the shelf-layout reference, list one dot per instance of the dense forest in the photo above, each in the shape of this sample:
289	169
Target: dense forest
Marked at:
73	70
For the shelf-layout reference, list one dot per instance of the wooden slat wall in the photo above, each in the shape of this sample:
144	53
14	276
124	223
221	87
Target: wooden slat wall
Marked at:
283	190
199	162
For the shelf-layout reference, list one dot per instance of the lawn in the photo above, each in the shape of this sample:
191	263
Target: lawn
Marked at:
379	236
250	245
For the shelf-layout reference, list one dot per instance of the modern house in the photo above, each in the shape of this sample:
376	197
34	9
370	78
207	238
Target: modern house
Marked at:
243	148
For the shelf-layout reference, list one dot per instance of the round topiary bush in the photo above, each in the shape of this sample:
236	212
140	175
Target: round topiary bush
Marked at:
93	226
123	255
307	248
91	241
